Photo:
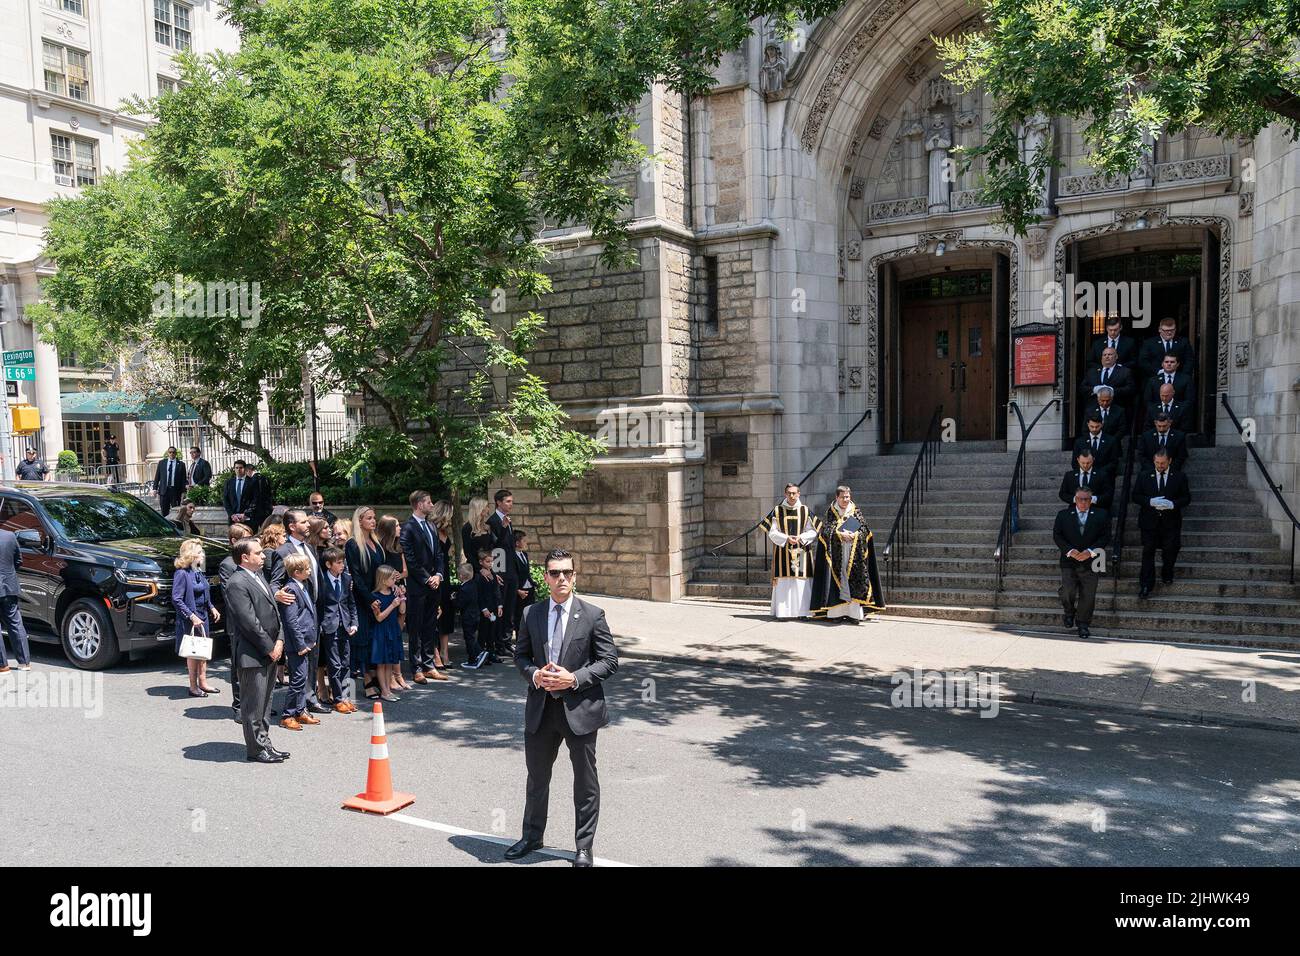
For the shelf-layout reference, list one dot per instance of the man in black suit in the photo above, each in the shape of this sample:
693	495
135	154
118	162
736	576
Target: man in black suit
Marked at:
1109	374
1097	482
253	622
263	497
1164	435
1104	448
565	652
527	591
1125	346
1081	533
236	533
1171	374
503	551
425	571
200	469
1169	404
1166	342
169	478
11	593
239	496
1114	421
1161	493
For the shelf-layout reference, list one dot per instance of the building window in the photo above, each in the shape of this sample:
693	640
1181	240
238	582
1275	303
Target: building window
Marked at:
166	85
87	440
74	160
67	72
74	6
172	24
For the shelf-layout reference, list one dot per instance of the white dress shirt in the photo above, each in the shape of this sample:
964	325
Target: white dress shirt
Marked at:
552	647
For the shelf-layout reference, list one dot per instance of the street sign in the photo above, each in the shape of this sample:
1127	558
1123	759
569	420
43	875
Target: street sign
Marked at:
20	357
20	373
11	389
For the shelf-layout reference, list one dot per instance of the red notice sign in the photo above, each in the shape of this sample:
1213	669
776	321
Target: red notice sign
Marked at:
1035	360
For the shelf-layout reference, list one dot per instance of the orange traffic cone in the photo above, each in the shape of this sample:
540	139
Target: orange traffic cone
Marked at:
379	796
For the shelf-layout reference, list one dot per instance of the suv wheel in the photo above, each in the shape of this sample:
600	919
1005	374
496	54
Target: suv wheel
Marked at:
88	638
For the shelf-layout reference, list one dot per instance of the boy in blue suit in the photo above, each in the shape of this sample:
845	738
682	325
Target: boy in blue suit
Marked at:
338	622
301	634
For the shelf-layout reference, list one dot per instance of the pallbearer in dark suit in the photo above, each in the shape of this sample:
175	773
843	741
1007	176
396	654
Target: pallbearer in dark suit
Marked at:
1166	342
1105	450
424	574
1125	346
1171	374
1081	533
1163	436
1112	375
1161	493
1097	482
565	652
253	622
793	530
1114	420
1170	405
11	593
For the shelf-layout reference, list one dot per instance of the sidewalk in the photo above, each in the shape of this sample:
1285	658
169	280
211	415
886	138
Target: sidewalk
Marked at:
1185	682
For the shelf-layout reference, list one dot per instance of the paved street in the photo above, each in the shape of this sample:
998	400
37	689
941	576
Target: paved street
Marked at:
702	766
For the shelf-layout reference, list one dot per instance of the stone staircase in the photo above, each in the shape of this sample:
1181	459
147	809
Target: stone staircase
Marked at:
1231	587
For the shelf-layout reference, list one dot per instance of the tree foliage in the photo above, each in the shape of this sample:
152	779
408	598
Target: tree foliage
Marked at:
1125	69
381	168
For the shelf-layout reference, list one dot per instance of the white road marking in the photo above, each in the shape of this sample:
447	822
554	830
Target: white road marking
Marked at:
488	838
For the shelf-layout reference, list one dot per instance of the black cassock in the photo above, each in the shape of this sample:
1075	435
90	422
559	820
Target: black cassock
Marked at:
835	558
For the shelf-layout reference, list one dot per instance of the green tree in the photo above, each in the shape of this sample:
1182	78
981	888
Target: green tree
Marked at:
1124	68
381	169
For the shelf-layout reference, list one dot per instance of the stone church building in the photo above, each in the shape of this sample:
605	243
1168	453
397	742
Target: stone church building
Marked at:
803	259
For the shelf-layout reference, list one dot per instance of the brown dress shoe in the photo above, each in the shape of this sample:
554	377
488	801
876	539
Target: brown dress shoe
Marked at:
352	706
289	723
342	707
436	675
419	677
306	718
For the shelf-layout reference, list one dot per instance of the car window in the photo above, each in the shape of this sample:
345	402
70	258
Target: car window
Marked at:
17	515
105	516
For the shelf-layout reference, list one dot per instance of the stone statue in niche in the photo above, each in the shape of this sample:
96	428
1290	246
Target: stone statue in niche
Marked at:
938	140
1037	139
771	78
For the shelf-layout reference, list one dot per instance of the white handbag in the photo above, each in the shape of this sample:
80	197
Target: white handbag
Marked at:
196	645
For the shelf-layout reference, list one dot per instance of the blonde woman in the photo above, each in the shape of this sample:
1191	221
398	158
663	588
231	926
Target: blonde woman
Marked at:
475	535
342	532
193	602
364	555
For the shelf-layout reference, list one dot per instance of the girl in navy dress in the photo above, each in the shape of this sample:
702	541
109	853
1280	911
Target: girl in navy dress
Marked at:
386	637
193	602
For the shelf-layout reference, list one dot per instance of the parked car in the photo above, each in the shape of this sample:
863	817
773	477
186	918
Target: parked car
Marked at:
96	569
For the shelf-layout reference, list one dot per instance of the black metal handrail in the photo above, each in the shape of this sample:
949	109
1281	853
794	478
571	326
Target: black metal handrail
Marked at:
1273	486
1016	491
909	509
752	528
1119	519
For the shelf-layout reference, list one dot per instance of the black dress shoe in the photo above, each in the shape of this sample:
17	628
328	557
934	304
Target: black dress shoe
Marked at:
318	709
582	858
522	849
282	754
1144	594
1068	620
1083	631
266	756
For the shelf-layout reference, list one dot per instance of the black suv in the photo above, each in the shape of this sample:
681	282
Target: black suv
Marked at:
96	569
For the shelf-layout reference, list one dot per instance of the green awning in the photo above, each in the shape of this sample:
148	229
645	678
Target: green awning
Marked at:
120	407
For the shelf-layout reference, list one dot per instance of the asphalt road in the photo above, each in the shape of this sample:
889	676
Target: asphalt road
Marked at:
701	766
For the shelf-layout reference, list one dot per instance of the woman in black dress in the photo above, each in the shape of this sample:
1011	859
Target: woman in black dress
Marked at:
364	554
475	535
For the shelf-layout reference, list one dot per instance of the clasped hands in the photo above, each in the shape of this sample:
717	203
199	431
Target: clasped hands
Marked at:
553	677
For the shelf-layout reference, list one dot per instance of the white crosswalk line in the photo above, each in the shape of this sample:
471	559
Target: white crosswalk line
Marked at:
488	838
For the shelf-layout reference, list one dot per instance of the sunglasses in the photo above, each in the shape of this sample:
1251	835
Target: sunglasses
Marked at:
562	573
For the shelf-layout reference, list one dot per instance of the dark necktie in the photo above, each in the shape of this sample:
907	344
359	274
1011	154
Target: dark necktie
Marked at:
338	593
1083	479
1167	343
1162	440
1105	374
1094	442
1160	482
239	491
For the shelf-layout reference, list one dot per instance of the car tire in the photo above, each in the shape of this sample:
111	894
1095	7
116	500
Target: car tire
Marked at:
87	636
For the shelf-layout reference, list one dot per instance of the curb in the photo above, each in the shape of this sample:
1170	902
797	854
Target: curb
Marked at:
845	675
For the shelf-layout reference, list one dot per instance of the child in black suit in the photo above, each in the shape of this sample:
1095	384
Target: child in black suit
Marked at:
300	636
467	607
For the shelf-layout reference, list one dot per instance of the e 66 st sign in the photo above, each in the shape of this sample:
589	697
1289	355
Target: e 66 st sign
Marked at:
19	365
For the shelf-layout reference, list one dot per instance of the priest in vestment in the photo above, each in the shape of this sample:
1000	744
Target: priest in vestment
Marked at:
846	583
792	529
